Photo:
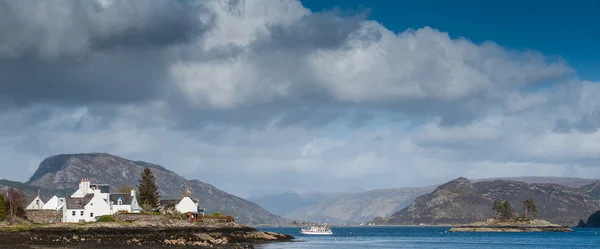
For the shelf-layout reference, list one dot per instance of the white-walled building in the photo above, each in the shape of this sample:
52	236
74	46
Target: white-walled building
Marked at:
36	204
187	205
85	205
54	203
124	202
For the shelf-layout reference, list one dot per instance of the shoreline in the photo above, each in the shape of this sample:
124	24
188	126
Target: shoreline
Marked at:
117	235
493	225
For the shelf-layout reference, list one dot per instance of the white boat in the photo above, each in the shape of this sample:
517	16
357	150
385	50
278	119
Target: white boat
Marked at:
316	230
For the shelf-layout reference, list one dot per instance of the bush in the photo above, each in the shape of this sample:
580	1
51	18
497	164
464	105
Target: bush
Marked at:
218	214
2	207
106	218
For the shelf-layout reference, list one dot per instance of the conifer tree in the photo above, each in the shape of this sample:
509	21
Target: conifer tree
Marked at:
148	191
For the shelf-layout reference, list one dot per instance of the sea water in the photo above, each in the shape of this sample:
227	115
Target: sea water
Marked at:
435	237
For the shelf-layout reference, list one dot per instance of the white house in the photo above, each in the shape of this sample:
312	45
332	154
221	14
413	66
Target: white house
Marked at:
36	204
54	203
187	205
104	190
124	202
84	189
85	204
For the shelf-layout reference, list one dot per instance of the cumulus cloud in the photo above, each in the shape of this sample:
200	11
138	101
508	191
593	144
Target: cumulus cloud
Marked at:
282	96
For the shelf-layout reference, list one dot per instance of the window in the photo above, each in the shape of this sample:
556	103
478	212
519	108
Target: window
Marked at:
73	214
81	213
92	215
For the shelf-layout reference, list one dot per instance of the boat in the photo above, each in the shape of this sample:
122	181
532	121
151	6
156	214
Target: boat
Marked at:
316	230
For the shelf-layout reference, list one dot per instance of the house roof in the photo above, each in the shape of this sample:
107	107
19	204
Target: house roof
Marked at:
174	201
169	202
79	203
104	188
114	198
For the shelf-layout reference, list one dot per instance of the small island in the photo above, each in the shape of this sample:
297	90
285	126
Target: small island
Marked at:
509	222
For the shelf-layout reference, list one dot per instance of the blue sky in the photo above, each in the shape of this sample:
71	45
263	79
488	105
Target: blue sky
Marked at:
569	29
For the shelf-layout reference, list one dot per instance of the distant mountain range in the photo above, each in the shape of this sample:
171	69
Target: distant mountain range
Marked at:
61	174
461	201
360	207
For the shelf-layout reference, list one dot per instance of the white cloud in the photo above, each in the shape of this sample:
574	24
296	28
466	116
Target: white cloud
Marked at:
246	98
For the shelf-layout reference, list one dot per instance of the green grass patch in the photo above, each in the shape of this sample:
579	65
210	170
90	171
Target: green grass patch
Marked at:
106	218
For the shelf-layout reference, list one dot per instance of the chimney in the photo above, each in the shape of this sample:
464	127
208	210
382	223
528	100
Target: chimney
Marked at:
133	192
85	186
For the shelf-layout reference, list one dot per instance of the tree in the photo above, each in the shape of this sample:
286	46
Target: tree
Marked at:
2	207
498	207
149	198
504	209
529	208
16	201
124	189
507	211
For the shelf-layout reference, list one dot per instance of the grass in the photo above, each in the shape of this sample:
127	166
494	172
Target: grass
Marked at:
106	218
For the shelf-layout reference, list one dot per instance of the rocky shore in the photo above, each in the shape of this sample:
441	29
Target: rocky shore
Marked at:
493	225
170	233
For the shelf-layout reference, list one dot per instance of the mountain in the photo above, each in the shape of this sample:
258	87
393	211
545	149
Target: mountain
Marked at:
31	191
592	221
592	189
64	172
572	182
357	206
340	207
461	201
285	203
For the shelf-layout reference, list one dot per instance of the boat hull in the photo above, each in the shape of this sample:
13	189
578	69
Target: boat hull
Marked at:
315	233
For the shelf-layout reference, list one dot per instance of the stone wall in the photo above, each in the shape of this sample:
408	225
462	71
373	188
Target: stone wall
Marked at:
44	216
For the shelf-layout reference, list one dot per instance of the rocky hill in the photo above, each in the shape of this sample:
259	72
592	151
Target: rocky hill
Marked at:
460	201
64	172
285	203
592	189
363	206
338	208
592	221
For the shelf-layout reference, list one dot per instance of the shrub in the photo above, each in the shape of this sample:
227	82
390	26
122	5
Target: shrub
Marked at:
2	207
218	214
106	218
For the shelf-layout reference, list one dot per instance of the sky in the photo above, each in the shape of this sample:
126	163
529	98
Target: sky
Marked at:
268	96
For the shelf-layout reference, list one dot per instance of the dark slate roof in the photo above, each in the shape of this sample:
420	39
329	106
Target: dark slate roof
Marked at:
114	198
79	203
104	188
169	202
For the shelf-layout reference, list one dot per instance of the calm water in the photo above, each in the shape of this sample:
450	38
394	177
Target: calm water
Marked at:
434	237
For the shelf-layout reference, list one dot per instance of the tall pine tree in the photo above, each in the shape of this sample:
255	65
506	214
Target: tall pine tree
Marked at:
148	197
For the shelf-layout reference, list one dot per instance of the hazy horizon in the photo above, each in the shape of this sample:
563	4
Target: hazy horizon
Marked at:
257	96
